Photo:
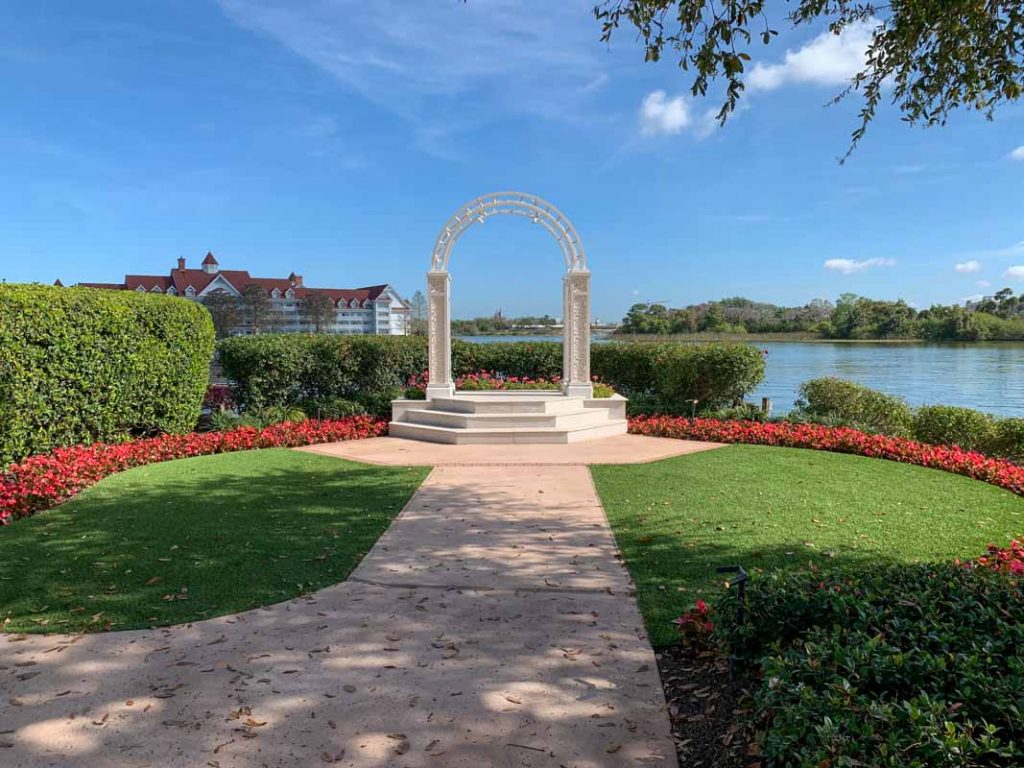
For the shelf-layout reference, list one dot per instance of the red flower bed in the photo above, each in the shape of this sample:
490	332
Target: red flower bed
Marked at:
1005	559
42	482
839	439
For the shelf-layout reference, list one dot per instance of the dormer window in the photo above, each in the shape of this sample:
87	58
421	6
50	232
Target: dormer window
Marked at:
156	289
190	291
141	289
289	294
366	304
275	294
355	304
171	291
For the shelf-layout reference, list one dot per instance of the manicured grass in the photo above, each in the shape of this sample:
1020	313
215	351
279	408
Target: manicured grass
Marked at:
195	538
766	507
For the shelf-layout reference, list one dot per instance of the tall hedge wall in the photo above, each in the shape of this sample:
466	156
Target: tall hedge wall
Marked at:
79	365
284	369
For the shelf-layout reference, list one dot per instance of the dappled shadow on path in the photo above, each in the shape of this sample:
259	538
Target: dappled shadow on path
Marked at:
472	641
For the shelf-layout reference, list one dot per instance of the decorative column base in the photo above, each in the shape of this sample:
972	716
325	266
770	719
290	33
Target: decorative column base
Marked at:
435	391
579	390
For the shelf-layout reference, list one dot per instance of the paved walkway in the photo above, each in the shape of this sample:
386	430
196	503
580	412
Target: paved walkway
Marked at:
492	625
622	449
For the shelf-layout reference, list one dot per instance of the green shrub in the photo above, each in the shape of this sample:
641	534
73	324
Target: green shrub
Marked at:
333	408
919	665
948	425
715	375
78	365
628	367
259	418
847	403
1008	440
743	412
378	404
278	369
522	359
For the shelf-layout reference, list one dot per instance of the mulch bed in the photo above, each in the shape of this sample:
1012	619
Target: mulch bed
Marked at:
706	703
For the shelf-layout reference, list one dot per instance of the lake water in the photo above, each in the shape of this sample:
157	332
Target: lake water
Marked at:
989	377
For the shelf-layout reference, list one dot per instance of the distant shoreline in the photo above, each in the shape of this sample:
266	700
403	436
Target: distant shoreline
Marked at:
792	338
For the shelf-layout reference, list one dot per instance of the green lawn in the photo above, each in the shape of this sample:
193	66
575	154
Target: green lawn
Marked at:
195	538
765	507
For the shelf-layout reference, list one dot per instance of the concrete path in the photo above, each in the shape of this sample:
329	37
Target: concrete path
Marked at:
492	625
622	449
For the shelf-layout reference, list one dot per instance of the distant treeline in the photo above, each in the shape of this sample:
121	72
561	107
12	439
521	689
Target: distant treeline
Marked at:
995	318
500	324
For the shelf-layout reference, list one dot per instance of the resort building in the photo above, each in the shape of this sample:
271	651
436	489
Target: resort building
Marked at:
375	309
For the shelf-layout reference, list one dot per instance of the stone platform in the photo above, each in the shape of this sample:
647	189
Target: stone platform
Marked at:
503	417
621	449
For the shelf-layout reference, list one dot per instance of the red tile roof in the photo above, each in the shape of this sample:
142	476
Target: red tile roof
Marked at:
198	280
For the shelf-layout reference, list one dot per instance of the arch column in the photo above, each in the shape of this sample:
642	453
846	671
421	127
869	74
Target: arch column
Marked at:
439	335
576	345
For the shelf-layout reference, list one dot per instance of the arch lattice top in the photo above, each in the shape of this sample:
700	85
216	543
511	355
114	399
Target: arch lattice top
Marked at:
537	209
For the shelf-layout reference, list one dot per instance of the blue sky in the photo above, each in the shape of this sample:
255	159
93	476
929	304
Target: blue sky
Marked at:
334	137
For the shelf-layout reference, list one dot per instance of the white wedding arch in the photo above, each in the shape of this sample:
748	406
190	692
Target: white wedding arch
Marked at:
576	289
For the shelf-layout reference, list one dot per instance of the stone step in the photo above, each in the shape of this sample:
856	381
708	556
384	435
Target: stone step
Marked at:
582	417
506	402
506	435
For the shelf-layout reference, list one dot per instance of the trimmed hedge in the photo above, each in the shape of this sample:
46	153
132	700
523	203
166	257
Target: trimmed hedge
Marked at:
79	365
909	665
286	369
838	402
948	425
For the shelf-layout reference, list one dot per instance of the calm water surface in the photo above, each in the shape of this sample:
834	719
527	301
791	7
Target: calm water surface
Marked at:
989	377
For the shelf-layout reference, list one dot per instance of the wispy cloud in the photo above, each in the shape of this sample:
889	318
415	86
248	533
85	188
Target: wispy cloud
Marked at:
1017	154
1015	273
851	266
983	284
444	68
968	267
1009	252
660	115
827	59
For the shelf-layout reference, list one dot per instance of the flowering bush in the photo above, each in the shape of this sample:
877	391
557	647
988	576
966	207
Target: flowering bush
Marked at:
218	396
485	381
44	481
1004	559
695	627
971	464
488	381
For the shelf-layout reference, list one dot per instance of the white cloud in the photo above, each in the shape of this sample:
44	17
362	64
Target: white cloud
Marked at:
850	266
968	267
983	284
443	68
660	115
1018	153
828	59
1015	273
